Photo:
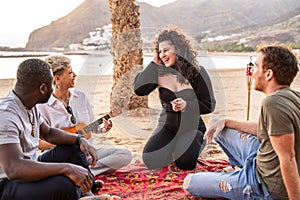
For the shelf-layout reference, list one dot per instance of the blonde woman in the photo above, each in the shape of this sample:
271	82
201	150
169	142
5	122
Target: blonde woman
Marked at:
68	107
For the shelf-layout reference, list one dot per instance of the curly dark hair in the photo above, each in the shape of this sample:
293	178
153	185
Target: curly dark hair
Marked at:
186	64
282	61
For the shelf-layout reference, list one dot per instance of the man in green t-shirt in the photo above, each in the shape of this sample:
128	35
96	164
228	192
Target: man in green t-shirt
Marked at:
267	153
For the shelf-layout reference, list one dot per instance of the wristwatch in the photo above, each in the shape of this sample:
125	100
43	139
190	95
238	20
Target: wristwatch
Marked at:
78	139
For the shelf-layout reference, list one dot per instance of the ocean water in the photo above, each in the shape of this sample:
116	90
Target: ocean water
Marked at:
9	65
102	64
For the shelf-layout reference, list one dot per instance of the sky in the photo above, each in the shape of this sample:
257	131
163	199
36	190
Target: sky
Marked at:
18	18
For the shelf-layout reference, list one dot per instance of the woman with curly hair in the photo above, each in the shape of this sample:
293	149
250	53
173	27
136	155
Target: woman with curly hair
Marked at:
185	92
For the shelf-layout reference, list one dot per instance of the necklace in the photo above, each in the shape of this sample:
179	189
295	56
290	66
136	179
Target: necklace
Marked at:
64	101
32	122
30	115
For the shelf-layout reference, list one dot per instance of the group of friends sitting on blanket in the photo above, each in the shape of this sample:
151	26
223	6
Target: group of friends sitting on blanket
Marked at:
43	109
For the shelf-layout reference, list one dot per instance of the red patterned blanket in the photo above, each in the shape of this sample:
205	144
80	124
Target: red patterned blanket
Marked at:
136	182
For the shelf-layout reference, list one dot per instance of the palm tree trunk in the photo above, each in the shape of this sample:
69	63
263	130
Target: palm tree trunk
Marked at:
126	49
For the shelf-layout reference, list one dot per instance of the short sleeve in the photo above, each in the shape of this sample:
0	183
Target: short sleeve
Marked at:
276	115
9	128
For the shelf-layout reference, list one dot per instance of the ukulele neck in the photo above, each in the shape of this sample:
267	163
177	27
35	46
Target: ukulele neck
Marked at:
94	125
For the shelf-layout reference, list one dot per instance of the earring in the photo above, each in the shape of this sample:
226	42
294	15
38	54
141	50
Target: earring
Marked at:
57	85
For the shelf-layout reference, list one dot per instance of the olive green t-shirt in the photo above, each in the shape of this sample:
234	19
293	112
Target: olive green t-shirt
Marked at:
280	114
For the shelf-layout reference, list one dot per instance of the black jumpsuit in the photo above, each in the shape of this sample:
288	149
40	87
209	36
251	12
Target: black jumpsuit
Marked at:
179	135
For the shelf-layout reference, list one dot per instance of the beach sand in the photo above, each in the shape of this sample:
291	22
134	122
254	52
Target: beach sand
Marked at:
132	131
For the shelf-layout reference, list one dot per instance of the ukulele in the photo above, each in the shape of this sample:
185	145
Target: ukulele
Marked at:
86	130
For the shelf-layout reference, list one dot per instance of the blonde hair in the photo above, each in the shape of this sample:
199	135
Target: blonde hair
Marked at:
58	63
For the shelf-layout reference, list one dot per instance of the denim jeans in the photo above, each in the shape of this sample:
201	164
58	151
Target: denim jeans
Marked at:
51	188
241	149
70	154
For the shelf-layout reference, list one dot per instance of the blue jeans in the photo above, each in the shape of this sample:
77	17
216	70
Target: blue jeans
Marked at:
241	149
52	188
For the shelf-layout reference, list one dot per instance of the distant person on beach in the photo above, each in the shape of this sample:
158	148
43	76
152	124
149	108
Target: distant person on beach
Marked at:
185	92
267	152
60	173
68	108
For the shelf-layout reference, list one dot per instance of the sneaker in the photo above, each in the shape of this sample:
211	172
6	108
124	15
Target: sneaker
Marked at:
97	186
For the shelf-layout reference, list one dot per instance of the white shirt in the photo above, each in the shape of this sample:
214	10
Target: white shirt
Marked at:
56	115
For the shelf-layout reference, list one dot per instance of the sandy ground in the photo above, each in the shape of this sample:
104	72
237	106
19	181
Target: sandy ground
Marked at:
132	132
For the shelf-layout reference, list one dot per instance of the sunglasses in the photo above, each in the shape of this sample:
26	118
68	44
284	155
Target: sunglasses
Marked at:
70	111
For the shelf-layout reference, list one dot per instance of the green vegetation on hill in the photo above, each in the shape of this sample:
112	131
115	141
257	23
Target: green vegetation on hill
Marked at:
229	47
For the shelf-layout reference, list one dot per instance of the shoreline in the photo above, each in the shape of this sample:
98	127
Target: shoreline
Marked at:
23	55
131	131
16	54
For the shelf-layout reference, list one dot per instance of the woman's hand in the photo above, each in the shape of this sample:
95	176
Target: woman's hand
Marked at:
107	125
178	104
156	58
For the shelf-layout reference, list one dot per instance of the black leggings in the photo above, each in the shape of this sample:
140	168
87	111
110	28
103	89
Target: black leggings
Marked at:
53	188
164	147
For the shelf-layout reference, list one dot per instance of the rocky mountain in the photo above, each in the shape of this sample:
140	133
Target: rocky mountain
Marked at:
251	21
287	31
72	28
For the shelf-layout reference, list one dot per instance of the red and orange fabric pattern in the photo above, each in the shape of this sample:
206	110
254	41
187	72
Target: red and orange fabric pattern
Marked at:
136	182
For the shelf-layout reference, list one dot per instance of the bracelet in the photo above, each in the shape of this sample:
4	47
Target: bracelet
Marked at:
78	139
